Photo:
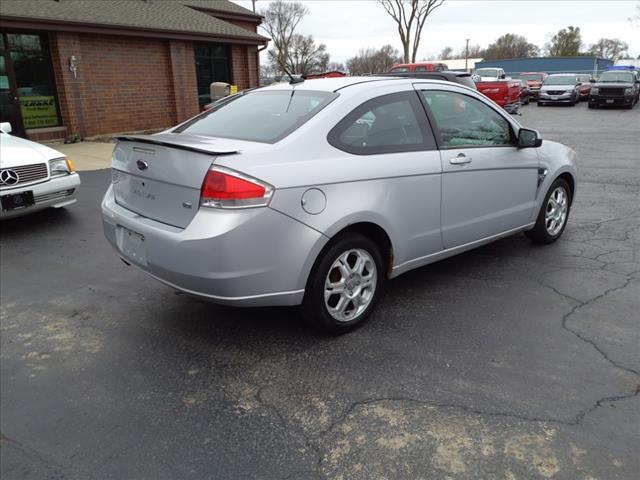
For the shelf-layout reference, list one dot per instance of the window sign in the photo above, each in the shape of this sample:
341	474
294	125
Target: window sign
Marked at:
39	111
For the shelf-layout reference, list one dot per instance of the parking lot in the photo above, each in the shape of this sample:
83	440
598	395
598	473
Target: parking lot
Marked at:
513	361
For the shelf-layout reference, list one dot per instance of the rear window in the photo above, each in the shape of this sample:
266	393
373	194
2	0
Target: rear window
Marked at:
261	116
467	81
532	77
400	69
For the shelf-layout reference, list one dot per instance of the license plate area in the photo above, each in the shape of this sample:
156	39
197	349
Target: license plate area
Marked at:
131	244
609	100
16	201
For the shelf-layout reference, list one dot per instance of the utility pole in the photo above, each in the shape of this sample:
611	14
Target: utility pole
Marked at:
466	56
253	2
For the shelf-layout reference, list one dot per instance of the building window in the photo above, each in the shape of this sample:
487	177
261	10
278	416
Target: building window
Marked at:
34	79
212	65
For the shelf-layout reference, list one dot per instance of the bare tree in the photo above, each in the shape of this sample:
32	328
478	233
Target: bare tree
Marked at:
566	43
611	48
373	61
446	53
510	45
304	56
410	17
280	22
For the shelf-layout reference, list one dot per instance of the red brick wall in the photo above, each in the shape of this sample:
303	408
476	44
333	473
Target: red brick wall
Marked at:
127	84
123	83
244	66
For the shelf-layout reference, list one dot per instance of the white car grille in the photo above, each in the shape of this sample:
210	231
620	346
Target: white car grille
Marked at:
53	196
10	177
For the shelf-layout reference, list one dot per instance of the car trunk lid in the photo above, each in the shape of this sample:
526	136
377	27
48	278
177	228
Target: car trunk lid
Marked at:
160	176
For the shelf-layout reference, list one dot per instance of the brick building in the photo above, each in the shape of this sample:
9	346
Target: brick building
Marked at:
74	67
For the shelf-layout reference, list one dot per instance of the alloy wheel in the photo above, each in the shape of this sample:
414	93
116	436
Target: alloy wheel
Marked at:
350	284
556	211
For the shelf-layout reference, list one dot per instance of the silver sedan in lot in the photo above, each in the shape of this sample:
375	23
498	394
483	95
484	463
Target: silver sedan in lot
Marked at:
317	193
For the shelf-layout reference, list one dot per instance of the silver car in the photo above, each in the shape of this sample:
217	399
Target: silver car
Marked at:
560	88
317	193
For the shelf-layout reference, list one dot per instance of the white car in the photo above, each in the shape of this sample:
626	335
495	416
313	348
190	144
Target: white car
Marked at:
32	176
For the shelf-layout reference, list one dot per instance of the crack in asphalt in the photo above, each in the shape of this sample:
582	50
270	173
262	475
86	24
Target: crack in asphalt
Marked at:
35	455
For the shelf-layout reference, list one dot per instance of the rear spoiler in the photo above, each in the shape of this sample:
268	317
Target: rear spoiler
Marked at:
169	142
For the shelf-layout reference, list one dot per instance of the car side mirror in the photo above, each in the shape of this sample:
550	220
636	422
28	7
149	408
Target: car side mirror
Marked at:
6	127
503	76
593	80
528	138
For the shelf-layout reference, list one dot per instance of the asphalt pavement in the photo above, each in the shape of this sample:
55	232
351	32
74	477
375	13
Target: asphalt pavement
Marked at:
513	361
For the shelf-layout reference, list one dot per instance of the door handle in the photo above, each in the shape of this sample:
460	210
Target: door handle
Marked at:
461	159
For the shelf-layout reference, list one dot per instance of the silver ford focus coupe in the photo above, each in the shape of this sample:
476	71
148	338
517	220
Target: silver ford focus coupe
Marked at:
316	193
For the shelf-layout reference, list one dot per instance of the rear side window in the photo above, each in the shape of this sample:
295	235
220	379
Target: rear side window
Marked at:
261	116
464	121
387	124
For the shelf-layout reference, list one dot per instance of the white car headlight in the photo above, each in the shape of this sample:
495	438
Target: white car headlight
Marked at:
595	91
60	166
628	91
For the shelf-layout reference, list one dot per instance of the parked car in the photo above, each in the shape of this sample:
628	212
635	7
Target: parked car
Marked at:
462	78
560	88
534	81
490	74
585	85
32	176
505	93
615	88
524	92
318	193
419	67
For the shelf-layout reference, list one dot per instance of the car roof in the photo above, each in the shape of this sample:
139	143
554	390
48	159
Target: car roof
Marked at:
339	83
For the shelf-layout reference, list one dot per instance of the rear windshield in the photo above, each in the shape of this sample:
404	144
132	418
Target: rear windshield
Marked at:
467	81
535	77
487	72
261	116
561	80
400	69
613	77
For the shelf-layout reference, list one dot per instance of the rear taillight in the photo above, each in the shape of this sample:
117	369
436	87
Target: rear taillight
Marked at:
223	188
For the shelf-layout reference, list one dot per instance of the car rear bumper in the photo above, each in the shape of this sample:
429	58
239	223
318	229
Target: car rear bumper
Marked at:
606	101
248	257
57	192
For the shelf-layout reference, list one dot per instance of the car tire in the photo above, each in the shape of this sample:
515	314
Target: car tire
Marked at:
592	105
547	228
540	104
361	287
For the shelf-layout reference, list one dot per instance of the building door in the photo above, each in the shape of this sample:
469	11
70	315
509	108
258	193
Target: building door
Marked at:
9	104
28	93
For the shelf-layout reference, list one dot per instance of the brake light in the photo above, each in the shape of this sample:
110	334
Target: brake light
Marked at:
223	188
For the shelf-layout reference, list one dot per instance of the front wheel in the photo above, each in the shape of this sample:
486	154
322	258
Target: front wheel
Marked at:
553	215
345	284
540	104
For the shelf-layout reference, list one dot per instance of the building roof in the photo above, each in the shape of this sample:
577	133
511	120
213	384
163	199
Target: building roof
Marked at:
177	16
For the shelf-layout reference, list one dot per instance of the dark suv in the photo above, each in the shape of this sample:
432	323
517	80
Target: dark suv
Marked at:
615	88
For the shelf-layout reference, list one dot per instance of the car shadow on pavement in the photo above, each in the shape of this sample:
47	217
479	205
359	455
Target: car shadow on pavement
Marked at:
59	218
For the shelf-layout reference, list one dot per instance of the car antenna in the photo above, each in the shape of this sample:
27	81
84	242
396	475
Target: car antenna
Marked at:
292	79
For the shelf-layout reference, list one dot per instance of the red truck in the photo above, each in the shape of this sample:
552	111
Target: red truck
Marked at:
419	67
505	93
534	80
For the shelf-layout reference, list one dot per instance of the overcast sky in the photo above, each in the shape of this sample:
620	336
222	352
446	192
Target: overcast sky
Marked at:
346	26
